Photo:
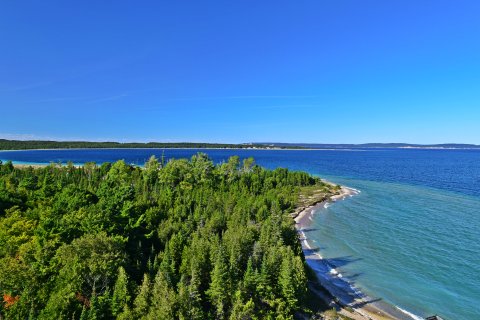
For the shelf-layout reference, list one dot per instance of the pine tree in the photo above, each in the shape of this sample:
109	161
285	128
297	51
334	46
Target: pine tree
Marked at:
167	266
93	312
142	301
164	300
241	310
194	290
250	279
120	298
292	279
84	314
219	286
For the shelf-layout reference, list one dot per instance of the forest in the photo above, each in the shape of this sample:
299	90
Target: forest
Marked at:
185	239
44	144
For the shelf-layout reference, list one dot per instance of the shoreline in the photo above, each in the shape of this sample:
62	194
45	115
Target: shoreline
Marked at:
172	148
41	165
344	296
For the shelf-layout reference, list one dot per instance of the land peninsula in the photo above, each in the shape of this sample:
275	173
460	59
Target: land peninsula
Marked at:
182	239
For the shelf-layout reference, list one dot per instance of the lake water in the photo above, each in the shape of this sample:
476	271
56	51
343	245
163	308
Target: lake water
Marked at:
411	237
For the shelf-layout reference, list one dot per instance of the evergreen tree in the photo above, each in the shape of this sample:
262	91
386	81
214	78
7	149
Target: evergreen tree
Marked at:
219	290
286	281
250	279
93	313
243	311
164	300
142	301
292	279
120	297
84	315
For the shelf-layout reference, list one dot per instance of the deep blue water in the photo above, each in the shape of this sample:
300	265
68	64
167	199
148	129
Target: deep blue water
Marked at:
410	238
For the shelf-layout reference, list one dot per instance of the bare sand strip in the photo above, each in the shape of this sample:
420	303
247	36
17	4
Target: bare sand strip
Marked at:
353	304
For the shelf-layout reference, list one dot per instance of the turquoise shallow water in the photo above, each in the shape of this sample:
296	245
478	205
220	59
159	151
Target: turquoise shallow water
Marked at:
414	247
410	238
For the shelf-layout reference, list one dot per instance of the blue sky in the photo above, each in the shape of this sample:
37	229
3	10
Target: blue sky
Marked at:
241	71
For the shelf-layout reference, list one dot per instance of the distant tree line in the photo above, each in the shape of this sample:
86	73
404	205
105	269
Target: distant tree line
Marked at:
185	239
38	144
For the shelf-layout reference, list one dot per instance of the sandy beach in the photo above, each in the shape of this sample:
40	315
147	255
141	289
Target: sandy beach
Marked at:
331	288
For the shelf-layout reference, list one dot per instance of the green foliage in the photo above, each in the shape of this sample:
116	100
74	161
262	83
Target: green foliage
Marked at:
120	297
219	290
143	298
177	240
164	299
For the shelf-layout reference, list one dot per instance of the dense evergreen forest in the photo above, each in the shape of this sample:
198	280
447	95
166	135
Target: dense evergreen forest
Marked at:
39	144
185	239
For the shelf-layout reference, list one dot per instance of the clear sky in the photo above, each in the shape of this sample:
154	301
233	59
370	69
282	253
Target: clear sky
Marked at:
241	71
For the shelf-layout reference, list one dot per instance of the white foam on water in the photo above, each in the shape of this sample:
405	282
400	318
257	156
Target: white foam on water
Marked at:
409	313
302	234
307	245
303	239
330	277
354	190
334	272
356	290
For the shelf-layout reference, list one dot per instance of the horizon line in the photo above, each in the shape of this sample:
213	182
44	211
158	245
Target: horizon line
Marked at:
29	139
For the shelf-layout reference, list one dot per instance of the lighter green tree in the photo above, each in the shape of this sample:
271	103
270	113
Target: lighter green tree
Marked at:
219	286
164	300
120	296
142	301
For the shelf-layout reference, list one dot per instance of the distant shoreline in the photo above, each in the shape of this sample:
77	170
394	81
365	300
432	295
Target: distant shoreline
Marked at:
54	145
240	148
167	148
